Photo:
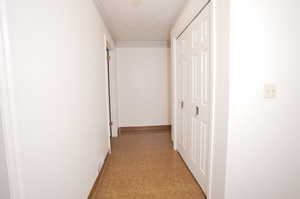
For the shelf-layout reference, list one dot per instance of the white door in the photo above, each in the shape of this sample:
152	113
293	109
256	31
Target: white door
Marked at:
183	98
197	89
201	97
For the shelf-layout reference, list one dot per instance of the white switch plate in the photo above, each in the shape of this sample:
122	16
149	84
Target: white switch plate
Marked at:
270	91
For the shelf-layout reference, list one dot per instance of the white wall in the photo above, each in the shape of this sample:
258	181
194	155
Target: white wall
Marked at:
144	92
4	184
263	148
58	72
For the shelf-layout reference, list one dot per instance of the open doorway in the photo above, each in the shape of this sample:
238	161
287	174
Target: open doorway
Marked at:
111	84
108	58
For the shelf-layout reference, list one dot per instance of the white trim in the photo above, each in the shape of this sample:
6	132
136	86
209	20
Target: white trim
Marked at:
118	87
213	97
114	92
143	44
8	113
115	58
106	92
174	91
221	67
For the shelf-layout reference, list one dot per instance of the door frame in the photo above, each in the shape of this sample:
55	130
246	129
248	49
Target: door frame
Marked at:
174	92
109	89
175	84
7	107
107	45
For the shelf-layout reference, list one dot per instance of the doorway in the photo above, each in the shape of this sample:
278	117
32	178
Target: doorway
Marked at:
108	58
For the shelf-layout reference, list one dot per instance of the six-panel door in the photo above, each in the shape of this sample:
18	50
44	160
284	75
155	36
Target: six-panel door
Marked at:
196	81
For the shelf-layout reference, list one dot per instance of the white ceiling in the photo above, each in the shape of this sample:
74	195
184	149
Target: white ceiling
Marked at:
140	20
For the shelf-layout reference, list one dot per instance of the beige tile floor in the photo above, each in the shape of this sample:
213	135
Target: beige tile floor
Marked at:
144	166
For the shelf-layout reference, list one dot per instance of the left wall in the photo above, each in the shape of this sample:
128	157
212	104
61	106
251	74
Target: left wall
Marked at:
58	71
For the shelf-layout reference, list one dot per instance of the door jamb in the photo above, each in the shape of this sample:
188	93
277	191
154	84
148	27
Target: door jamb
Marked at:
212	108
7	107
174	92
109	89
107	45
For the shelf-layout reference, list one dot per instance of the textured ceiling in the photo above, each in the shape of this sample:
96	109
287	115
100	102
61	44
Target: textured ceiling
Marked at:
140	20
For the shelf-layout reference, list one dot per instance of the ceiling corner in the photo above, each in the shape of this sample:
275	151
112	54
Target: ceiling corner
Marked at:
104	17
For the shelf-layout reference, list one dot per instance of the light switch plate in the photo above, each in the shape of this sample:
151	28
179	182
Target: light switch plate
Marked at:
270	91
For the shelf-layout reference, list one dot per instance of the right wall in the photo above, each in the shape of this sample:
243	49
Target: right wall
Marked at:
263	144
256	137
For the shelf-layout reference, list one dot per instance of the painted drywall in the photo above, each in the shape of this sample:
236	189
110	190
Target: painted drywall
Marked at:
263	143
58	72
114	92
220	64
140	20
4	184
144	92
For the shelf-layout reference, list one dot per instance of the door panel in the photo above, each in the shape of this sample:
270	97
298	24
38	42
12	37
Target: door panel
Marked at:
201	98
196	90
182	97
185	97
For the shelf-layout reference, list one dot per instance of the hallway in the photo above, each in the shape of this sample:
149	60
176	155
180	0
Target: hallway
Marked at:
224	74
143	165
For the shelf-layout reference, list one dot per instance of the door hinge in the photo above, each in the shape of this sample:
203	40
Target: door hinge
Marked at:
111	123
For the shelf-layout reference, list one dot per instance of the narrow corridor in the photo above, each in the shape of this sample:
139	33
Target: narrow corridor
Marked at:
144	165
